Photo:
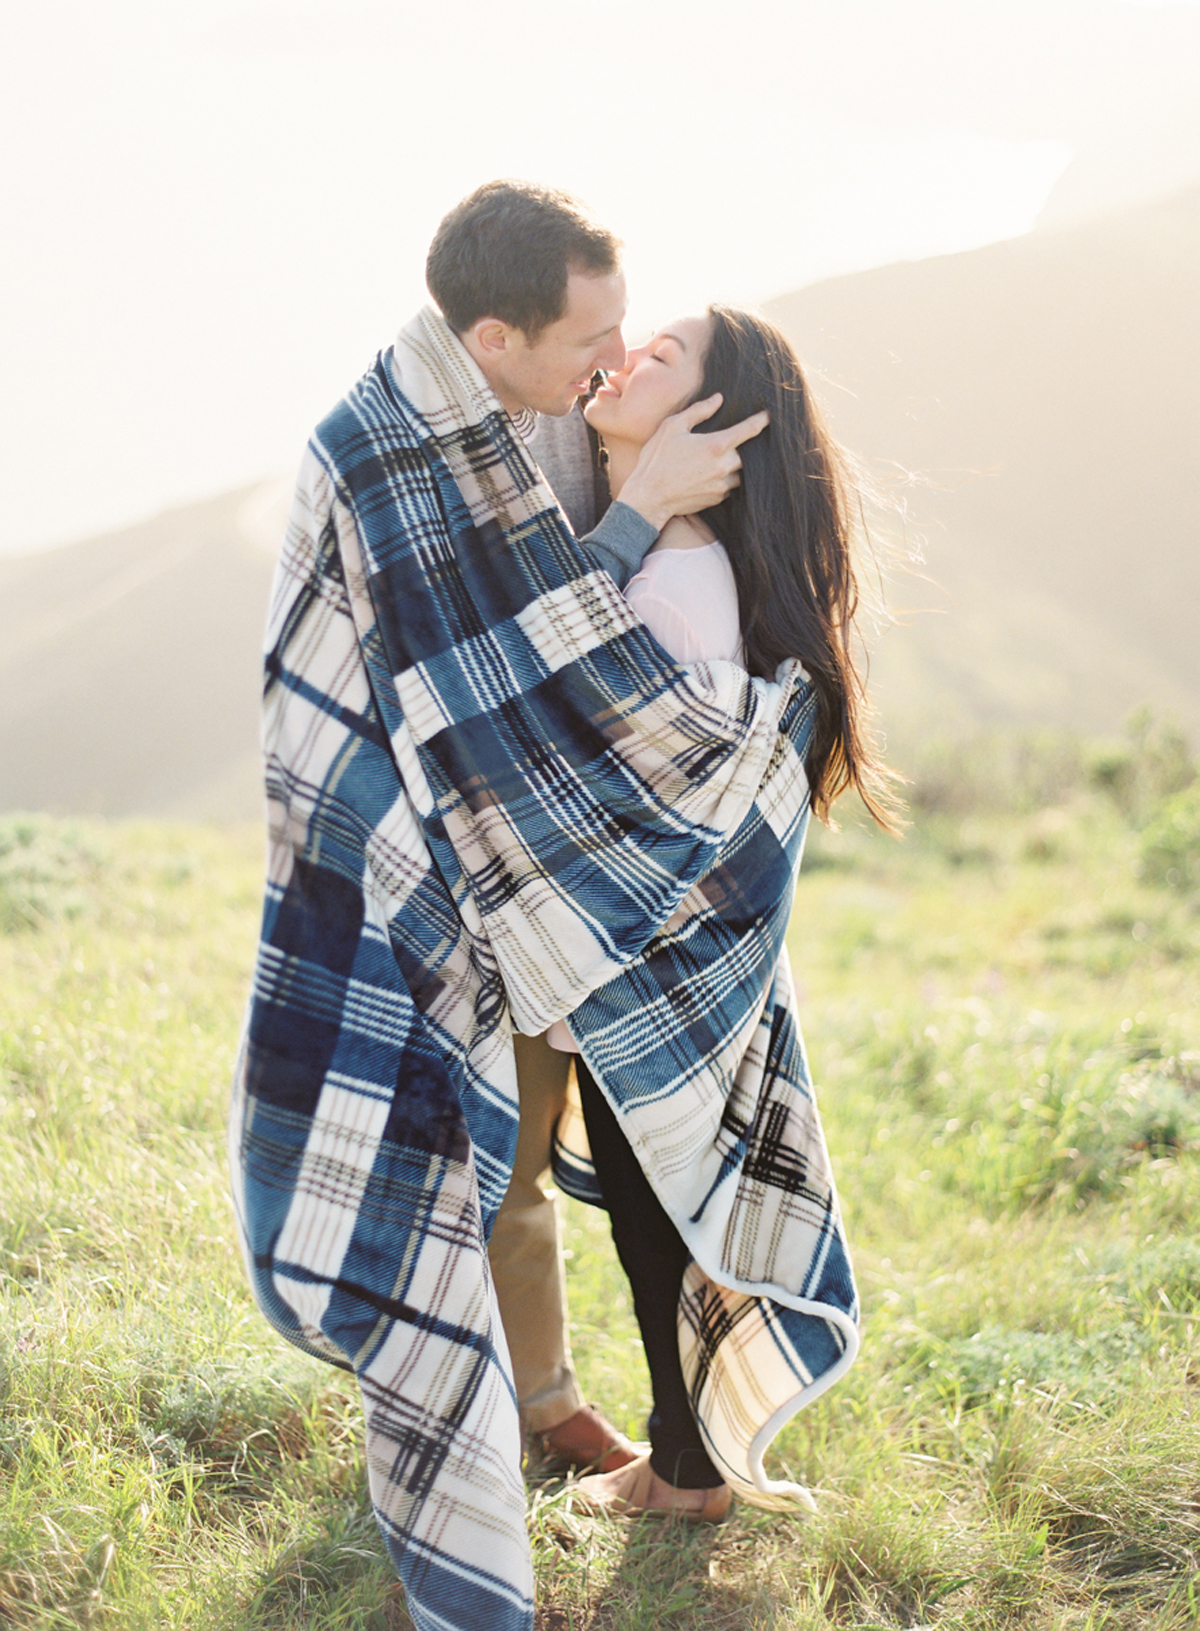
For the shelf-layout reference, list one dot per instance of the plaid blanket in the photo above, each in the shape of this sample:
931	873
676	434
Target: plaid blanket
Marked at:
489	790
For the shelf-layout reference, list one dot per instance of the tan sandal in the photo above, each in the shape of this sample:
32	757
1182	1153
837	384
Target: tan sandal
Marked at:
636	1490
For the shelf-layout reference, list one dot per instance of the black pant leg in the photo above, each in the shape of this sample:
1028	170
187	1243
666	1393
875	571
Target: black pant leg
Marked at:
654	1257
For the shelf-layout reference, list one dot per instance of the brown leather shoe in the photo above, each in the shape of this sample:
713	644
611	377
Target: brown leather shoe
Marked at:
583	1443
636	1490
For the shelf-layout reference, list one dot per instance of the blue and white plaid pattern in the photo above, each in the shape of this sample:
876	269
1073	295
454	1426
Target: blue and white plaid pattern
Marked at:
489	790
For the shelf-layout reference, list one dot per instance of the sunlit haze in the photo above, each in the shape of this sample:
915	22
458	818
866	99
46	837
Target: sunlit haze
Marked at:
217	212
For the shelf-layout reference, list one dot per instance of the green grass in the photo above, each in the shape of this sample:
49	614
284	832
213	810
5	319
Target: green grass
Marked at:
1003	1018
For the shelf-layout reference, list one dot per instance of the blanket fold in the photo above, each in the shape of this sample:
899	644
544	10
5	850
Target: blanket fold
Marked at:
489	790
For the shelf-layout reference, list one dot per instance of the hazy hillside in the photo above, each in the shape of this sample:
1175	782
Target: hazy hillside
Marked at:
129	665
1049	390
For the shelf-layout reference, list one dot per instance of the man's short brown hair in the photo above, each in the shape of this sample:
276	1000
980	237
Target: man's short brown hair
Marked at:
507	251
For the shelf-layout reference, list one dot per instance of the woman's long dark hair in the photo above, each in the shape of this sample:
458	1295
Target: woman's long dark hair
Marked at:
788	534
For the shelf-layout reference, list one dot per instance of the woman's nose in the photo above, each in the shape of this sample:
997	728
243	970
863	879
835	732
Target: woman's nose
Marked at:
632	358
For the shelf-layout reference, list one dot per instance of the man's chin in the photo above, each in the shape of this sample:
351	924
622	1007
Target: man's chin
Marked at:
559	409
556	408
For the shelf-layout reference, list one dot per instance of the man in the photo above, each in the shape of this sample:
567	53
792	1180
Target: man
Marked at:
535	293
484	800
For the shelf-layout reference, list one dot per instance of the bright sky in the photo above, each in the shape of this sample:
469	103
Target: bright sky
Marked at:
215	212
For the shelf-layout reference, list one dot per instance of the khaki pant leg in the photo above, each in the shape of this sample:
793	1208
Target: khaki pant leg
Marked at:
525	1251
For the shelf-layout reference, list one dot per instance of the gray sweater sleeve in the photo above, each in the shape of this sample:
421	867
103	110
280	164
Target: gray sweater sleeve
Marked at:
619	541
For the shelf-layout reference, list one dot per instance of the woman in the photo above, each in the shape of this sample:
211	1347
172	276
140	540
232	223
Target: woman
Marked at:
765	577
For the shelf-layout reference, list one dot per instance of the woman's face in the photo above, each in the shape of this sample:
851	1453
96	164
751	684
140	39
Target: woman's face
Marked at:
657	380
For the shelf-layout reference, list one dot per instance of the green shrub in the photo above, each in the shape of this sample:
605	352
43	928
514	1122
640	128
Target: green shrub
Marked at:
1171	841
1150	765
1013	771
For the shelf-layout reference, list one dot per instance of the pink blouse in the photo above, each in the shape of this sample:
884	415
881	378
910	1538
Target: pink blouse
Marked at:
688	600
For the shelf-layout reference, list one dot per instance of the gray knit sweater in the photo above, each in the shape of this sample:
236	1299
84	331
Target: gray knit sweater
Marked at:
619	539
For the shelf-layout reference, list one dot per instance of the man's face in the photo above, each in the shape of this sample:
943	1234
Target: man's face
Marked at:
550	373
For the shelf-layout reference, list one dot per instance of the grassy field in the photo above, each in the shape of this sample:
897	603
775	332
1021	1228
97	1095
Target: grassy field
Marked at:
1003	1018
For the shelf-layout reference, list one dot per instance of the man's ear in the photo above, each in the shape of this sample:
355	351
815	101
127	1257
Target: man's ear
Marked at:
492	337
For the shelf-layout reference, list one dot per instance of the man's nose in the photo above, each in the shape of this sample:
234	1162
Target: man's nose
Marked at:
612	357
